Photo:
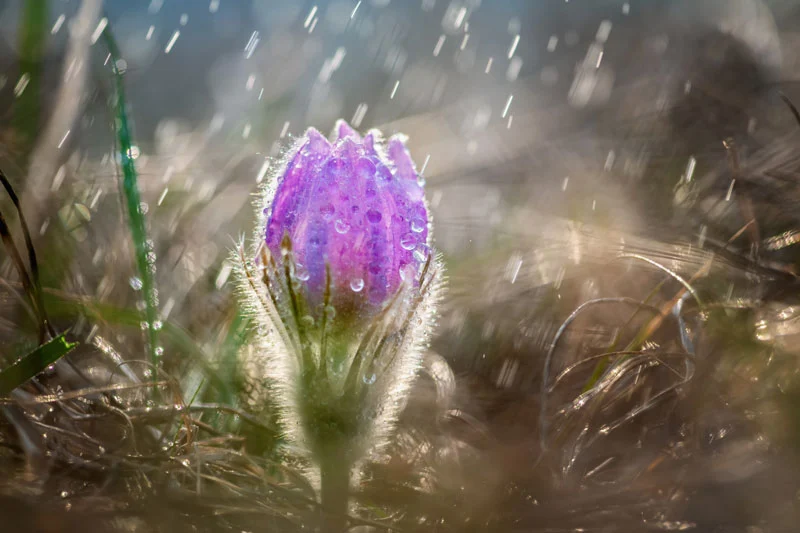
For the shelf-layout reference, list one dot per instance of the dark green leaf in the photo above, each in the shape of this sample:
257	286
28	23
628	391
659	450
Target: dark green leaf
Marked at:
33	363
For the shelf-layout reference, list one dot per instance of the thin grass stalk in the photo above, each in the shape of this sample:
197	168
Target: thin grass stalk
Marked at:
33	39
136	219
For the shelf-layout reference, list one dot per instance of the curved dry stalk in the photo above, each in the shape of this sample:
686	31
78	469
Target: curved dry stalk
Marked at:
549	357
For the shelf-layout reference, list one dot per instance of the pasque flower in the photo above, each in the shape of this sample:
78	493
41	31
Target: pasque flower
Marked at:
343	285
355	208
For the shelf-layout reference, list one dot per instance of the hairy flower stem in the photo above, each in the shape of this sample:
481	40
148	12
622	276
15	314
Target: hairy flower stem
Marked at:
335	489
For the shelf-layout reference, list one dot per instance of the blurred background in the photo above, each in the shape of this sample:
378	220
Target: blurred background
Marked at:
613	186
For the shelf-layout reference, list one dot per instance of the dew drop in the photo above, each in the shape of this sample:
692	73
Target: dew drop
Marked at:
402	272
301	272
383	174
336	166
374	216
421	253
327	211
342	226
365	168
136	283
408	241
370	379
357	284
418	225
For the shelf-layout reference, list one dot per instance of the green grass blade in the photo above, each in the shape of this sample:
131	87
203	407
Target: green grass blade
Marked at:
229	356
32	40
33	363
32	260
62	305
136	220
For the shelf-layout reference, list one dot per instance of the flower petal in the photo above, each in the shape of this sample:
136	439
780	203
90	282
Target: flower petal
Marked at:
294	190
342	130
398	154
358	209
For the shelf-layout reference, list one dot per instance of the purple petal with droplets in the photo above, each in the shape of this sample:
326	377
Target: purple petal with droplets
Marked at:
355	209
294	191
401	158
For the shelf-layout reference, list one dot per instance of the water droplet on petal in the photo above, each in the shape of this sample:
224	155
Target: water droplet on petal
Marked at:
327	211
336	166
421	253
357	284
374	216
413	190
383	174
408	241
342	226
370	379
418	225
365	168
301	272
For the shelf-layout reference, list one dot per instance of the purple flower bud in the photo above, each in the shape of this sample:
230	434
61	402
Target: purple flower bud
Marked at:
345	226
356	206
